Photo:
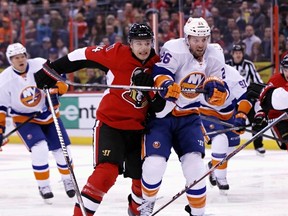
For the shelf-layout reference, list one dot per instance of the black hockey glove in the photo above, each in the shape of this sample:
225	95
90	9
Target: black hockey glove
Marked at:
2	140
43	77
2	130
157	104
260	121
140	78
254	90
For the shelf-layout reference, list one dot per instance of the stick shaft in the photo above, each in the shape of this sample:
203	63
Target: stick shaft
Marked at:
53	74
248	130
65	153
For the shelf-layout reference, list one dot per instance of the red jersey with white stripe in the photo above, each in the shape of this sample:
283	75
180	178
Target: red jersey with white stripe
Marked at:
121	109
279	95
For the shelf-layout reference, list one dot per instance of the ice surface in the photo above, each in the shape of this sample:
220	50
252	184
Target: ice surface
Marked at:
258	186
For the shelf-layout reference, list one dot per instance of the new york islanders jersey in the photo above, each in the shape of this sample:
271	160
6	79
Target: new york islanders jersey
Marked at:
237	87
21	95
178	63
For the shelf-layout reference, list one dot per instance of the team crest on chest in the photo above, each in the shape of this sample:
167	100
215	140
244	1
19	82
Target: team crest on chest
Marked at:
192	81
135	97
30	96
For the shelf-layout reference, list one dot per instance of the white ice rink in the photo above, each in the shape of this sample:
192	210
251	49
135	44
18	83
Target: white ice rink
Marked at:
258	186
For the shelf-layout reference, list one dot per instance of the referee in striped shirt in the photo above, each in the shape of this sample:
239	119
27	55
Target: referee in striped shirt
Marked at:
247	69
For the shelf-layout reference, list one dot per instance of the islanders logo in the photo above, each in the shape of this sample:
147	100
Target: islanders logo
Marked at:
30	96
192	81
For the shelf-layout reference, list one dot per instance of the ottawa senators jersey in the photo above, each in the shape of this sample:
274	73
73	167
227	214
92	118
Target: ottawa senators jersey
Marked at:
278	81
121	109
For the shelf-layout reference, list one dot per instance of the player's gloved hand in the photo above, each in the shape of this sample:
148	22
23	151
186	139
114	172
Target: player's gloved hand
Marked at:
43	79
2	131
216	91
141	78
171	90
54	98
240	121
260	120
2	140
254	90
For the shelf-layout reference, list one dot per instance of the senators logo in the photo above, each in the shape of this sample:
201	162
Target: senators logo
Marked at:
135	97
30	96
192	81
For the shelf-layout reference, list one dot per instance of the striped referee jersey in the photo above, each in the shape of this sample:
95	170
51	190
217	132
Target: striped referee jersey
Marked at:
246	69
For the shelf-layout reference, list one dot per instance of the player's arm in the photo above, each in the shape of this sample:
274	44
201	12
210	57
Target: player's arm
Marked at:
243	108
274	98
74	61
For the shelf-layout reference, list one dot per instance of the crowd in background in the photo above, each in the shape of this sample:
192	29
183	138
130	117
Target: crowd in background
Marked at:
45	27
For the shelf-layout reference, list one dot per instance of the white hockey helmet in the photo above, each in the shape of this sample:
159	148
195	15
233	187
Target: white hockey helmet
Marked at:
196	27
15	49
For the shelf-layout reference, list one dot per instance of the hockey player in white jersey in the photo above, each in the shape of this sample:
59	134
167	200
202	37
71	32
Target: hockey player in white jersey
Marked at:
233	111
189	63
18	92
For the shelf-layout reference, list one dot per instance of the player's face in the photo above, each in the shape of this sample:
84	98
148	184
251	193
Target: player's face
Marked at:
198	45
141	48
237	56
19	62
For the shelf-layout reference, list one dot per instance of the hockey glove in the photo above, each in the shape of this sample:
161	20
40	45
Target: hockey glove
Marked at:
43	77
240	121
2	140
140	78
54	98
260	120
171	90
254	90
216	91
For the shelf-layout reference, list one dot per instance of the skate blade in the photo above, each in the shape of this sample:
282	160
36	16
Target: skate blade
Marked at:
260	155
48	201
223	192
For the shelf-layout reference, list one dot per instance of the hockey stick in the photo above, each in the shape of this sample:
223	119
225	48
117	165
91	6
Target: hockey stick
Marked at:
54	75
228	157
65	153
18	127
231	125
223	131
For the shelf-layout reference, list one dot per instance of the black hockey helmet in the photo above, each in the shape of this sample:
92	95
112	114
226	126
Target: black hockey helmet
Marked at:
237	47
284	61
140	31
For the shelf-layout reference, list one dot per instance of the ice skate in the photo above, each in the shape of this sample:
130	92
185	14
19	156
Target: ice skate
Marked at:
212	178
222	185
260	151
130	213
46	194
69	188
188	209
146	208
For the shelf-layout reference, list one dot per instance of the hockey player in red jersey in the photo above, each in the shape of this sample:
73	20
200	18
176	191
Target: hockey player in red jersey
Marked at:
272	100
121	114
19	93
